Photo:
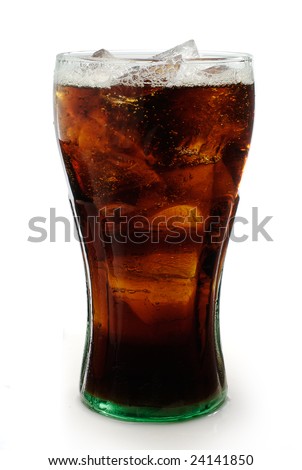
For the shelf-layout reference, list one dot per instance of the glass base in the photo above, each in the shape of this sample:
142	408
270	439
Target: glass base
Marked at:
140	413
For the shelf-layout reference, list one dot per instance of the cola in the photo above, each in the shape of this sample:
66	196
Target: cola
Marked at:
154	172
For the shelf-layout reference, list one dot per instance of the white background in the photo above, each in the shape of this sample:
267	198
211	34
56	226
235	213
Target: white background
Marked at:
43	311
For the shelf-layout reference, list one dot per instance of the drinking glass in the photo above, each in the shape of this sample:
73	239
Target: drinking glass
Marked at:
153	150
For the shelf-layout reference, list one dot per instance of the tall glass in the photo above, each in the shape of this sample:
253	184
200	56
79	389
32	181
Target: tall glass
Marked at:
154	151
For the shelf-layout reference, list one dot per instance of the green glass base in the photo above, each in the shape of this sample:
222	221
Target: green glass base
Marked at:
135	413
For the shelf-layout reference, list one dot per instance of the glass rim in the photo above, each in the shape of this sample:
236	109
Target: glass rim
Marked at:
120	56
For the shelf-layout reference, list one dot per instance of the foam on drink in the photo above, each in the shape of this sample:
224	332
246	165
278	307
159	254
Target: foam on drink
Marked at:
180	66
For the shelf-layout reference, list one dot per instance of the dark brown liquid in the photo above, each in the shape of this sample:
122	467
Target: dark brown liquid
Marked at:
158	154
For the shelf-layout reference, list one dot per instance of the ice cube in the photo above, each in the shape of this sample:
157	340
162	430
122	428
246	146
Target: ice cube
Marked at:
165	301
215	69
110	161
186	50
217	75
158	287
163	68
103	54
182	214
177	56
